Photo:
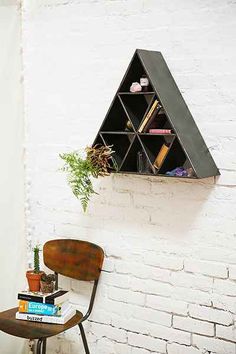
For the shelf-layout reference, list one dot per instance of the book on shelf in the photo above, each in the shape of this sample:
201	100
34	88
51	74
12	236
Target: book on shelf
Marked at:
150	116
71	312
161	156
160	131
55	298
40	308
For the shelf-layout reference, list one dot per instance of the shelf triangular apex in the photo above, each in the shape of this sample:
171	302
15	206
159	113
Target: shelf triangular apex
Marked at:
133	74
178	113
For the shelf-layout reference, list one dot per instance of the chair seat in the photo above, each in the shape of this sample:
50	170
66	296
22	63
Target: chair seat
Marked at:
33	330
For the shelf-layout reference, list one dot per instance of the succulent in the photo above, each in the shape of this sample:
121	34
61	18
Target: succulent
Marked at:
98	163
48	278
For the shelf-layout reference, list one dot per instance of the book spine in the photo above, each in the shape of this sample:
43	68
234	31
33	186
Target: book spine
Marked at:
28	297
161	156
160	131
45	319
39	308
148	115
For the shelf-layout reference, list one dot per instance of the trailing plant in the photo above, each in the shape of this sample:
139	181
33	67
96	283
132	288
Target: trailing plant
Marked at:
36	259
98	162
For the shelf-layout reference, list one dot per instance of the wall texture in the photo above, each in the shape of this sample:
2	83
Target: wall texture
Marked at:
12	251
169	279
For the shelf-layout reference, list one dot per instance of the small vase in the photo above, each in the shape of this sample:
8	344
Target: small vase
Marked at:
33	280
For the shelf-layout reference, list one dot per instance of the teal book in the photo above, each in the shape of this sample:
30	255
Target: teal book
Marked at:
39	308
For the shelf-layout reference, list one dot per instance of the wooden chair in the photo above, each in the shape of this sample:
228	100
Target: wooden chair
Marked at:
72	258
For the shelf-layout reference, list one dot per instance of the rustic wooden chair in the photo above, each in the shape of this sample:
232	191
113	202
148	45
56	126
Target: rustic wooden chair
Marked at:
72	258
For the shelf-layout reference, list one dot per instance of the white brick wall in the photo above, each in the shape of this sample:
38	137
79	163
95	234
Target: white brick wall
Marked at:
169	280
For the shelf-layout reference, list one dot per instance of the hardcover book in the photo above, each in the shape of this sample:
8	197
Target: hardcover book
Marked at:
161	156
159	131
148	116
47	319
55	298
40	308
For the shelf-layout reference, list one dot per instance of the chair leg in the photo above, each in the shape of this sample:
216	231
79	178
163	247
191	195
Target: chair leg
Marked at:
84	338
44	345
39	345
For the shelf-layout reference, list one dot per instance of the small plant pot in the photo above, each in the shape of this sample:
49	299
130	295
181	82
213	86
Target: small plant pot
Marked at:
33	280
47	287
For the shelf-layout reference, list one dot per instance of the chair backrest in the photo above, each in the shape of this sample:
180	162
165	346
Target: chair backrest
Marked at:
76	259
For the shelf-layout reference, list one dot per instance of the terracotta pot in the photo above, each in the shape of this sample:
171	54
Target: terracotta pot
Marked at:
33	280
47	287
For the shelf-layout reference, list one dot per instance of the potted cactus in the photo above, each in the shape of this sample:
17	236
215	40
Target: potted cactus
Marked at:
47	283
34	276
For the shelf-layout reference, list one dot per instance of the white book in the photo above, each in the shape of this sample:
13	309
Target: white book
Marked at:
47	319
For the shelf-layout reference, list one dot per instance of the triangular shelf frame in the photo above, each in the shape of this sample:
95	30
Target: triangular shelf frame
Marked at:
120	128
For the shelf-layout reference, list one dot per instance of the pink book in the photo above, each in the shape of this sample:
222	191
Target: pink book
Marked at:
159	131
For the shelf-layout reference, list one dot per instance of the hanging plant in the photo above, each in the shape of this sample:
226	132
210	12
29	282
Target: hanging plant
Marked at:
98	162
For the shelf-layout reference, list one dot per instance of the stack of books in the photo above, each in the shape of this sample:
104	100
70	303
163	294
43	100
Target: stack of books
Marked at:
150	116
49	308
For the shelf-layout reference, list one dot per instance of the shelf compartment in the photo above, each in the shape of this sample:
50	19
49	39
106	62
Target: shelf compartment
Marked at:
133	74
120	144
136	107
153	144
158	121
116	118
99	140
176	158
136	160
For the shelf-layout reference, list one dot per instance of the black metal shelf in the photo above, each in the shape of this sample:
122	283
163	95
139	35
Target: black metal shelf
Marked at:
123	125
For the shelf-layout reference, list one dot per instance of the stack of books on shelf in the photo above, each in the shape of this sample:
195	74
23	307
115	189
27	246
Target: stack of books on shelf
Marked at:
49	308
152	119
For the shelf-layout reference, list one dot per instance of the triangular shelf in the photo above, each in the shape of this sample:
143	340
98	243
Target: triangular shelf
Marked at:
132	116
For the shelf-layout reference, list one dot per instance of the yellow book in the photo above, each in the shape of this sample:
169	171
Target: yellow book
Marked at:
161	156
148	116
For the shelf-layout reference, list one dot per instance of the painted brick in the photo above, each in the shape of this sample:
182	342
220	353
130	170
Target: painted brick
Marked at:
207	268
191	281
149	343
232	272
164	261
210	314
225	287
165	304
174	348
170	334
228	333
214	345
126	296
193	326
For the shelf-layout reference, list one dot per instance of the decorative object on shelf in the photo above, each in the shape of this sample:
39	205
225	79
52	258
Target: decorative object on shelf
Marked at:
34	276
144	82
143	165
98	162
135	87
128	126
47	283
159	117
180	172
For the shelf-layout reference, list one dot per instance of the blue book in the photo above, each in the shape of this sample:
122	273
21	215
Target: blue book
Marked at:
39	308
